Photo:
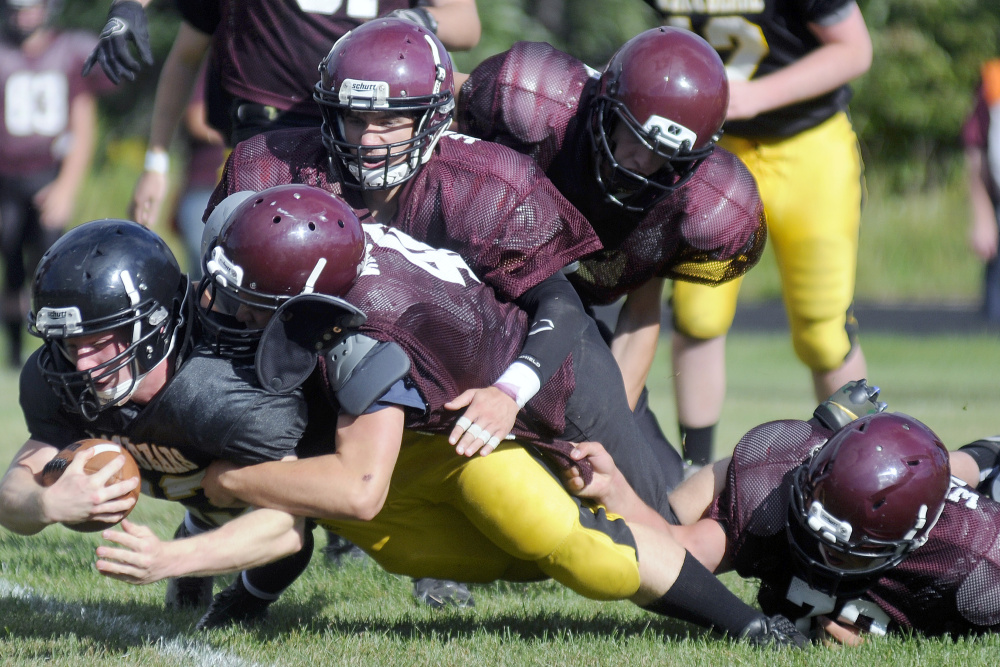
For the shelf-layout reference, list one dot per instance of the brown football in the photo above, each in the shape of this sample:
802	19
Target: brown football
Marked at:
107	451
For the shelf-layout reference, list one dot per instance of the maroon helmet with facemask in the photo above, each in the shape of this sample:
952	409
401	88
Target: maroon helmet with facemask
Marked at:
386	65
865	500
668	87
282	242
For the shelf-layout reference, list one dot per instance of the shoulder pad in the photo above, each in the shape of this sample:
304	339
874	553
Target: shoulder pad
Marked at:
360	370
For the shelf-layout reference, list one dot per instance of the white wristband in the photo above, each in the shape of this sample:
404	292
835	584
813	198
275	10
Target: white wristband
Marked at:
522	380
157	162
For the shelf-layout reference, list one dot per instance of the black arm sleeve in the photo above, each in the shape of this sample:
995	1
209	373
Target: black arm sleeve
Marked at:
557	322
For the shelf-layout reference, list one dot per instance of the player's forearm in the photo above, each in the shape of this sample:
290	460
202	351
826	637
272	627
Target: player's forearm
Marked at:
459	27
844	55
180	71
320	487
22	509
636	336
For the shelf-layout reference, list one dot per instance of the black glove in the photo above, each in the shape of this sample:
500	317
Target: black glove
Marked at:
418	15
126	23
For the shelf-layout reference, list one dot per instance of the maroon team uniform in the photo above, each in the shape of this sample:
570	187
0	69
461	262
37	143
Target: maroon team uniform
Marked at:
251	43
536	100
489	204
949	585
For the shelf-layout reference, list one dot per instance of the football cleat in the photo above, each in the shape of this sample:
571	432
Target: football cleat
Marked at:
438	593
774	631
234	605
338	550
188	592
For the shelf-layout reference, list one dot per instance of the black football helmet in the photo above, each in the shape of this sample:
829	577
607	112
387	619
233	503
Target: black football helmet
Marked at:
668	87
106	275
864	500
386	65
281	242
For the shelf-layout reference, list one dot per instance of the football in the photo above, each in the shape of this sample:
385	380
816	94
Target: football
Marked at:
106	452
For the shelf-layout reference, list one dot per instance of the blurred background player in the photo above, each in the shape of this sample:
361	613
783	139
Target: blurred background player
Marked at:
262	67
981	138
46	142
205	154
788	71
632	149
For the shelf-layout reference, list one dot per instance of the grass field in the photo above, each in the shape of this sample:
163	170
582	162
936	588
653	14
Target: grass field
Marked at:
55	609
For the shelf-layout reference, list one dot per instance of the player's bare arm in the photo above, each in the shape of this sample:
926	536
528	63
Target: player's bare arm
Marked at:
636	336
26	507
360	470
256	538
845	54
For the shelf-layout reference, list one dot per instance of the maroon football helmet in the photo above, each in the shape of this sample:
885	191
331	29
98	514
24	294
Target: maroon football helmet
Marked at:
668	87
285	241
865	500
386	65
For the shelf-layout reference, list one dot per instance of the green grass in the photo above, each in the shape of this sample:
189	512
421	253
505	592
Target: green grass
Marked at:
56	609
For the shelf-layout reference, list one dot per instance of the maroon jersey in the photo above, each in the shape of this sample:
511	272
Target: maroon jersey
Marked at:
536	100
453	329
949	585
266	51
485	202
36	93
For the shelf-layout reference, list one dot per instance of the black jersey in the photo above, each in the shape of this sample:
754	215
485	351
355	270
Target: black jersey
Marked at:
757	37
212	408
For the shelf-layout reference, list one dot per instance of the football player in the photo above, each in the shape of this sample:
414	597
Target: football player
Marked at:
253	84
47	129
386	93
633	149
425	327
788	68
119	362
851	529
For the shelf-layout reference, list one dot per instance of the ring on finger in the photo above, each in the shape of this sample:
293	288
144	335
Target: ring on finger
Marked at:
494	441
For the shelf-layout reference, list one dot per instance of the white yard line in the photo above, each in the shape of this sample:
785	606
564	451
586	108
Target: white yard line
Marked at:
183	649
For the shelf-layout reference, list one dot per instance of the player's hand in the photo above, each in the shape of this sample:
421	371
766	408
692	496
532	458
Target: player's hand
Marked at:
486	422
606	473
140	558
838	632
127	24
150	190
55	205
214	487
77	496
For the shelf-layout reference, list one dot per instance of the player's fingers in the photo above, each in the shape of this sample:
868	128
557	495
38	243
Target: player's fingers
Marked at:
461	400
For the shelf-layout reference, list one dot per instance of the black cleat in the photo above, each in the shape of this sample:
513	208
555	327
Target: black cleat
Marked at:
338	550
775	631
232	605
188	592
438	593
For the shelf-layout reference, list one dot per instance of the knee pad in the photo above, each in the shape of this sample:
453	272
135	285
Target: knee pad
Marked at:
597	560
703	312
986	454
824	345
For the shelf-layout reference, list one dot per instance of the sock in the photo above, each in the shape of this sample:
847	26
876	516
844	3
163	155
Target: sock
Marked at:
696	443
699	597
268	581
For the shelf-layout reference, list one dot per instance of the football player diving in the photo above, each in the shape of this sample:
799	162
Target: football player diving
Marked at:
851	528
387	95
120	362
415	326
633	149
